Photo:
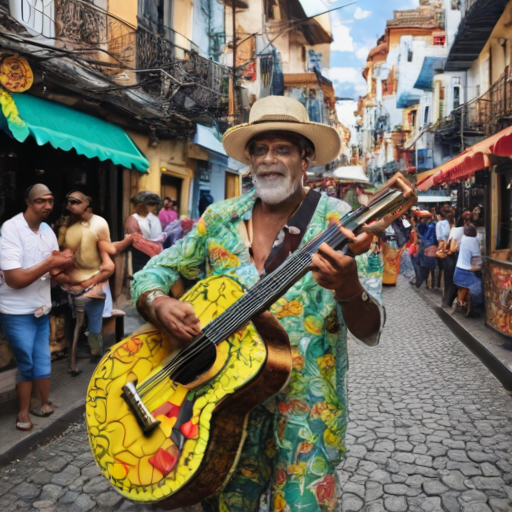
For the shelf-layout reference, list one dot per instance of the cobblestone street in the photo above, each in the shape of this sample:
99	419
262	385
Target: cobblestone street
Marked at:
430	430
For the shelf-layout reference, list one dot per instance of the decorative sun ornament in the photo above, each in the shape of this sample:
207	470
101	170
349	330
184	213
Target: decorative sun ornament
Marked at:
15	73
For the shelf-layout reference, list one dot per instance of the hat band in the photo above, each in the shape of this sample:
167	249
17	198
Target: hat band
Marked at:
278	118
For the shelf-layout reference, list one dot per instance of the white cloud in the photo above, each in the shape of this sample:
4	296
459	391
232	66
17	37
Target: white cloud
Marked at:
362	48
360	14
352	76
345	111
343	41
363	51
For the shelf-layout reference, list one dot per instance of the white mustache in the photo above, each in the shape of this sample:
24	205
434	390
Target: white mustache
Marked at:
268	170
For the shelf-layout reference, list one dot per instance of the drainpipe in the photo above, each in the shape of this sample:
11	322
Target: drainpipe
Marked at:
234	58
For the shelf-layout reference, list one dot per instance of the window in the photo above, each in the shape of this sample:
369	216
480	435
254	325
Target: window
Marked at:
409	54
272	11
426	115
439	39
412	119
441	102
456	97
36	15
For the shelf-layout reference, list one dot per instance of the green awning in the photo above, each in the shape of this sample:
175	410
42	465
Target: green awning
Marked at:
67	129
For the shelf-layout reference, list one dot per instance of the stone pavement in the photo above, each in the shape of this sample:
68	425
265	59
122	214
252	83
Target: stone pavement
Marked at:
430	431
67	395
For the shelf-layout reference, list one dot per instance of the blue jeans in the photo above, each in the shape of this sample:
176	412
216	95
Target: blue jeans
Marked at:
94	310
29	338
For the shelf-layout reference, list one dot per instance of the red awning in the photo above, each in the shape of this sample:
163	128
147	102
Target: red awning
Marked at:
474	159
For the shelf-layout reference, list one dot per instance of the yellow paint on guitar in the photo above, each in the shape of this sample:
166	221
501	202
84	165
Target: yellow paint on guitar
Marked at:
118	444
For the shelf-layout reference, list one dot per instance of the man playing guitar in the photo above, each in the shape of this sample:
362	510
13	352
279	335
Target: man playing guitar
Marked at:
295	441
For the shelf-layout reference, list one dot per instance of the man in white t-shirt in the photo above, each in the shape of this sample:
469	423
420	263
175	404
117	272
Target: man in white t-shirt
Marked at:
28	252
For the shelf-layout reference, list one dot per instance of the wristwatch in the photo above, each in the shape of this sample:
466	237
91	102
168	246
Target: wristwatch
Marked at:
153	295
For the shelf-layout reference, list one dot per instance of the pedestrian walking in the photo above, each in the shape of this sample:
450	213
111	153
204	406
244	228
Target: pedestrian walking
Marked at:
28	252
442	234
427	251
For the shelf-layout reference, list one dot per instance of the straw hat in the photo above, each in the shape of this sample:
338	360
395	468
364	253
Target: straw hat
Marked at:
286	114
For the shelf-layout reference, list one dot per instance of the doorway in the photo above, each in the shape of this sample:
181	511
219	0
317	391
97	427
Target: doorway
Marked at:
171	187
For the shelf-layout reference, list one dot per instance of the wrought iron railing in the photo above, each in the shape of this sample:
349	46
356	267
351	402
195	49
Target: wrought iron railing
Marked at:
153	57
483	114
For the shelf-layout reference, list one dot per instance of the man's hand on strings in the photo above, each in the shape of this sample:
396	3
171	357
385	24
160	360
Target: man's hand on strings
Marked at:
178	319
335	271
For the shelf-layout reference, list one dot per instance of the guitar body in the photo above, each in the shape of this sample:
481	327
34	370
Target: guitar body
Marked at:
190	454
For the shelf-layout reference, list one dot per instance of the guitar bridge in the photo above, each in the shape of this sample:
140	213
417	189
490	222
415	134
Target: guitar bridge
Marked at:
144	417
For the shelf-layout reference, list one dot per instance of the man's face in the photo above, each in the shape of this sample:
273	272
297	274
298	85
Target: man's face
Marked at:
77	204
277	169
42	206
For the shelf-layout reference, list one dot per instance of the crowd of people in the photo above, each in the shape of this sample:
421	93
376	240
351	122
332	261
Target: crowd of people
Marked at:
443	250
67	266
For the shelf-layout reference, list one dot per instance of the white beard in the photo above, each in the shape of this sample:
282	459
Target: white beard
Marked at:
273	191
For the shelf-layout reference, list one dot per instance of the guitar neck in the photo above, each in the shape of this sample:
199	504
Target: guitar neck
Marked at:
273	286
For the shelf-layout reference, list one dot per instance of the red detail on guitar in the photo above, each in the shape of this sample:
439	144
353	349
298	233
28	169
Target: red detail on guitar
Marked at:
190	430
164	461
167	409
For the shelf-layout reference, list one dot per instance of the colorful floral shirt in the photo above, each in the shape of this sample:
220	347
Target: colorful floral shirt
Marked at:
296	441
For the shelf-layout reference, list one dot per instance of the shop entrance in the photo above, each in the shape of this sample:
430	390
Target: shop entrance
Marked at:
23	164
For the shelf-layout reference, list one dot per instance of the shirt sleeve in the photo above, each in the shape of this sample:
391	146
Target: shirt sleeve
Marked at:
370	270
102	230
11	250
187	258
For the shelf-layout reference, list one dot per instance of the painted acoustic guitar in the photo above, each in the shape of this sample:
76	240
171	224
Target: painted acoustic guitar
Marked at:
168	427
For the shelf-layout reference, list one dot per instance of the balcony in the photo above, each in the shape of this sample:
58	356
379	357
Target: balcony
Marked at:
163	67
479	17
482	116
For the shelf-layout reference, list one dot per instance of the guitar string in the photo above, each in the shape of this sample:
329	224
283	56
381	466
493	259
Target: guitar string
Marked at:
192	350
331	236
231	317
197	348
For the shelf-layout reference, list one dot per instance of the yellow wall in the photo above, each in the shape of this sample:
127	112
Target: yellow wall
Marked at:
124	9
169	157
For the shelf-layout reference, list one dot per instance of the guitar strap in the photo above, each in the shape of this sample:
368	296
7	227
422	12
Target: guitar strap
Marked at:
289	238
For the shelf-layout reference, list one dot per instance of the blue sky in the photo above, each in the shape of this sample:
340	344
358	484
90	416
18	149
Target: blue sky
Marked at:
355	30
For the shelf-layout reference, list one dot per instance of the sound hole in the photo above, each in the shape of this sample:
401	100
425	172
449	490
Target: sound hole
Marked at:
193	367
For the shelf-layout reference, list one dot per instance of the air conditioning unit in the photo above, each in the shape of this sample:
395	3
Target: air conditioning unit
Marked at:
38	16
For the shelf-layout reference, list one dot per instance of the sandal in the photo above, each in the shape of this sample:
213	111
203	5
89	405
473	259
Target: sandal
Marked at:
24	426
43	412
74	373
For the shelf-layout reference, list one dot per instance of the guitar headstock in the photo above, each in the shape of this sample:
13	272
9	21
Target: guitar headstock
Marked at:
400	205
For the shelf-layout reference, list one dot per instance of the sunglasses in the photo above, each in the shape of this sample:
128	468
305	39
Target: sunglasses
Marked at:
74	202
